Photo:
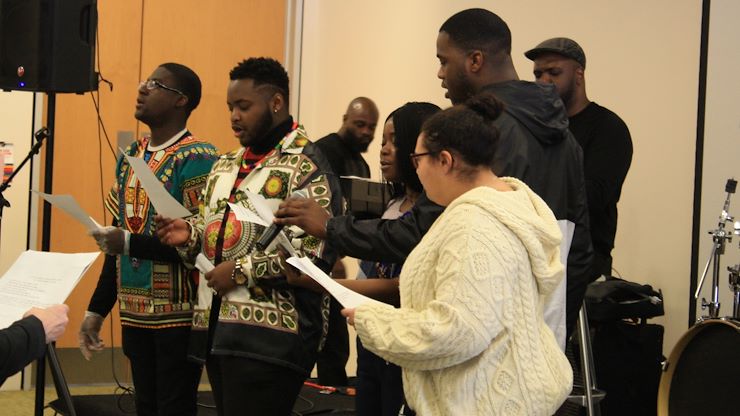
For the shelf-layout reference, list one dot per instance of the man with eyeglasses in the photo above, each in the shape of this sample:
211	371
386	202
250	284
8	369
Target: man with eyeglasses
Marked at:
155	290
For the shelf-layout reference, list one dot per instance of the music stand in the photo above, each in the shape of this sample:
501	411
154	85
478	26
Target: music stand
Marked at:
60	383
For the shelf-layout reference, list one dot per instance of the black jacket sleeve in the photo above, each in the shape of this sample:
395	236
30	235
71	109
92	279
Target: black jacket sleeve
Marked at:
20	343
106	292
150	248
382	240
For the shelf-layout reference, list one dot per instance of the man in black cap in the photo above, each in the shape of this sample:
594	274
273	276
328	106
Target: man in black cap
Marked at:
603	136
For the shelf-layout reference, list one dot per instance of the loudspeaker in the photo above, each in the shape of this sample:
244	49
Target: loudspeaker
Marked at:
48	45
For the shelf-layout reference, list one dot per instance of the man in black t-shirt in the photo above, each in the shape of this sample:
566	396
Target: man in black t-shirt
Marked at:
603	136
343	150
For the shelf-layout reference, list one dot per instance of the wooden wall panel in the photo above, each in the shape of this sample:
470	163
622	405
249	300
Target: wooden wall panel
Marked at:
135	37
77	150
211	38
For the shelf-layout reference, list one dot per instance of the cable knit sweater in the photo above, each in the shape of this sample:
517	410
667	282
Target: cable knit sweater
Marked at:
470	334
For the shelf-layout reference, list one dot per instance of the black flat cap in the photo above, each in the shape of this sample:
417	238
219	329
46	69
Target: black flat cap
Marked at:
561	46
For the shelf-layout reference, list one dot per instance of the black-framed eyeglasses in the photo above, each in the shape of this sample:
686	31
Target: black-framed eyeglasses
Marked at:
151	84
415	156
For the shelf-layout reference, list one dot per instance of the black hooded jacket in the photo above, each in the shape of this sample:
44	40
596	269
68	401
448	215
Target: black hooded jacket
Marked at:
535	147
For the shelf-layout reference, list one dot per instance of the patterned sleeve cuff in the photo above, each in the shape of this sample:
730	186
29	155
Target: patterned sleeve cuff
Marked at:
190	250
244	267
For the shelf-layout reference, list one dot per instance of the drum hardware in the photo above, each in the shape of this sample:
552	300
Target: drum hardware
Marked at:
735	287
720	237
702	372
708	350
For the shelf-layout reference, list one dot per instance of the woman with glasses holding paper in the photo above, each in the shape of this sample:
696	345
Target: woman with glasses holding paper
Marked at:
470	334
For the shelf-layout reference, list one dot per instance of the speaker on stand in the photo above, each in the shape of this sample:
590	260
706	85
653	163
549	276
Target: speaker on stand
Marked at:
48	46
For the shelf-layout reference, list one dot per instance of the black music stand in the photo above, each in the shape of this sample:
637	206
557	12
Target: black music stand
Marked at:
60	383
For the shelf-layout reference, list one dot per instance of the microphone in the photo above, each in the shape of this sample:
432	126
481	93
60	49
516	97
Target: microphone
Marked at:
274	229
41	134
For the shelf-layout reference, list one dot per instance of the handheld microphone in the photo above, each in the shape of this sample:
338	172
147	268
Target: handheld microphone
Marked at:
274	229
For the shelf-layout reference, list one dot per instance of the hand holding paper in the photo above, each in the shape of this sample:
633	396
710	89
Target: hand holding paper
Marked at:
54	319
110	240
39	279
347	297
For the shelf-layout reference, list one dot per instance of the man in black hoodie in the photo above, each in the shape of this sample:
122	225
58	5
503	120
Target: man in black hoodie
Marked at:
474	50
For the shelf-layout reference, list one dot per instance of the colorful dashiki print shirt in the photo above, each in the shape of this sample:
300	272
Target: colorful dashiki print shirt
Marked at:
151	293
273	321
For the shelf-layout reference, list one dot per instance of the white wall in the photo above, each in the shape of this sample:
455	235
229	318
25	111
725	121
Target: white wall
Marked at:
15	127
643	60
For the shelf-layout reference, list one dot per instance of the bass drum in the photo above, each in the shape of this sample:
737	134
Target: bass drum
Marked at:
703	372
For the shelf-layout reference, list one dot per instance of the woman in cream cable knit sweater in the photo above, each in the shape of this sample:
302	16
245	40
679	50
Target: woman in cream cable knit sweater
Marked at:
470	334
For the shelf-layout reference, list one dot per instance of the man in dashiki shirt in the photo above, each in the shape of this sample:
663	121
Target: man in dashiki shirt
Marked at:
155	290
258	336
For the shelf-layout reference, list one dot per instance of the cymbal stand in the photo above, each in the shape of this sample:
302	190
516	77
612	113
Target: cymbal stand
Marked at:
735	287
719	238
735	282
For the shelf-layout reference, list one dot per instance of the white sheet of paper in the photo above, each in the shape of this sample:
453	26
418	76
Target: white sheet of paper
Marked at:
39	279
264	212
282	239
348	298
260	205
203	264
244	214
554	309
68	204
165	204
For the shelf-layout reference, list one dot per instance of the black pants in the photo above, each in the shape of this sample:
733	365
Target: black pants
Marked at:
379	385
332	359
166	383
243	386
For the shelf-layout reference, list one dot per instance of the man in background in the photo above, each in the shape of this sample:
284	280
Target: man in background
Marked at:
607	154
343	150
603	136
